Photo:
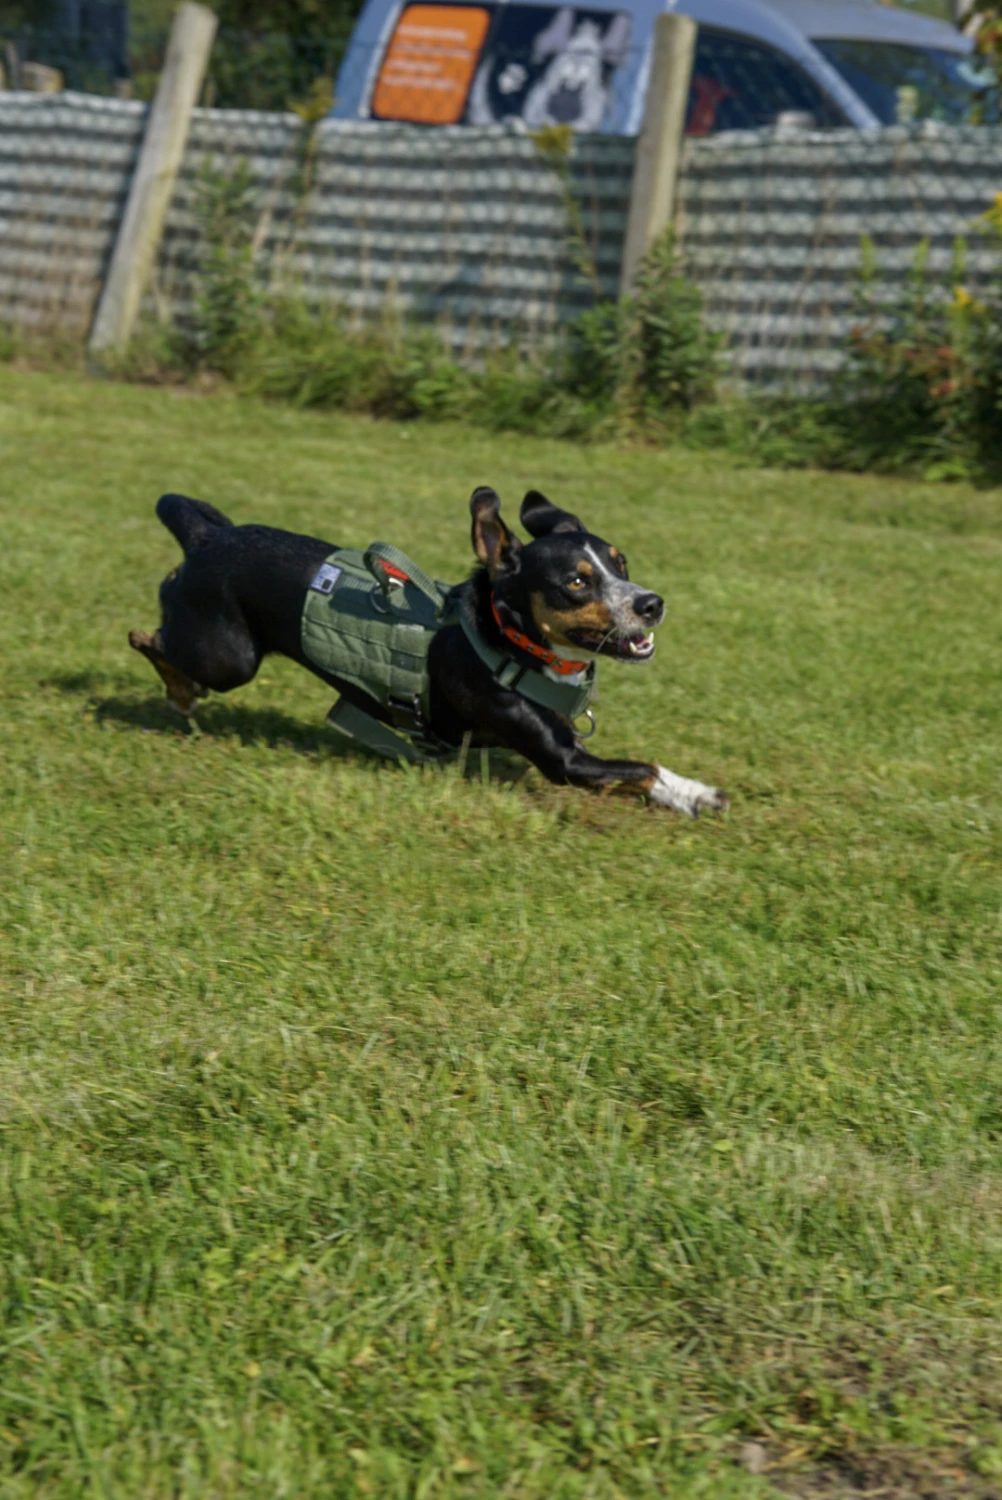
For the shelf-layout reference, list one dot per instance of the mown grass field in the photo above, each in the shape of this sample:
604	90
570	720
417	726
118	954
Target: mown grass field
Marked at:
378	1132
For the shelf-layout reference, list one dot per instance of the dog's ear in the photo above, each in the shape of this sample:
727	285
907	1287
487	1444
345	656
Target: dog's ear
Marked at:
539	517
496	547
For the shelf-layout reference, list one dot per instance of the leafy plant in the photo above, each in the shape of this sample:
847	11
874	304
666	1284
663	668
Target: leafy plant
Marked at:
984	18
648	357
555	146
228	302
634	363
671	360
259	62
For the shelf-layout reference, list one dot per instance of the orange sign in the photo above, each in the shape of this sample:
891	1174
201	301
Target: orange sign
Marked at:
429	64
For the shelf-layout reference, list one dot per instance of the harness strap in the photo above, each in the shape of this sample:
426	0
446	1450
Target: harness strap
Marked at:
392	568
355	724
569	699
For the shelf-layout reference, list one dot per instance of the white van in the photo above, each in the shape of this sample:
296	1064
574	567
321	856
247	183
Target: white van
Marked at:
818	62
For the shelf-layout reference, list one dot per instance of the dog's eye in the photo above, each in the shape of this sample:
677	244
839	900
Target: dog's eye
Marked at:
621	564
577	583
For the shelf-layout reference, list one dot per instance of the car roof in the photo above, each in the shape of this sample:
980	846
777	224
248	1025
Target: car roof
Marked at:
865	18
782	21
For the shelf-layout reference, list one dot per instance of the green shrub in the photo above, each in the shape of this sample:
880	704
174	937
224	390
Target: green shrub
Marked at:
633	363
921	390
309	357
641	362
670	362
649	356
923	380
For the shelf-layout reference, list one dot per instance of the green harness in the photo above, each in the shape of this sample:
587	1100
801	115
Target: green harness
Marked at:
369	619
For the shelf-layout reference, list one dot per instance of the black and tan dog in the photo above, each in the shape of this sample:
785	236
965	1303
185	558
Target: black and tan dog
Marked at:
551	604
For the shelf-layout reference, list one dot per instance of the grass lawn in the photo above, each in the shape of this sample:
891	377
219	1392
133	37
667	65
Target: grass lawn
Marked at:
382	1132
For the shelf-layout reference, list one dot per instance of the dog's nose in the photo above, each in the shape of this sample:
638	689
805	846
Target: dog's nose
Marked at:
650	608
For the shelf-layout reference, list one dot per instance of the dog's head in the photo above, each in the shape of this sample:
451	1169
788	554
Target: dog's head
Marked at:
567	590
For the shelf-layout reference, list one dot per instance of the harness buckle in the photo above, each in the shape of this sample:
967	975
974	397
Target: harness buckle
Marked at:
381	599
407	717
509	674
405	714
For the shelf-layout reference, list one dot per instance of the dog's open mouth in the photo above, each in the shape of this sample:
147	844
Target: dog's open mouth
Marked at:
624	647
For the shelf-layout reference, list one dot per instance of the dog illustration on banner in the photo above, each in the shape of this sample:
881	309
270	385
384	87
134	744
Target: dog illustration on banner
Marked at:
560	74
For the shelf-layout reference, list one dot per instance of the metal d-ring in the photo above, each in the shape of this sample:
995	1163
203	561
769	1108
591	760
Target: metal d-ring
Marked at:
379	601
591	720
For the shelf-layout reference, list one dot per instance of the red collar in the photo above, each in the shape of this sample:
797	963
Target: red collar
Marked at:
541	653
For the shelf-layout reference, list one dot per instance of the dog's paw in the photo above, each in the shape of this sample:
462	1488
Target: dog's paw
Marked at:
686	796
716	800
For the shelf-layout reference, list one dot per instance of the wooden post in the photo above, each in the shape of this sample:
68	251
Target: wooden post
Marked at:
36	78
153	181
659	146
12	68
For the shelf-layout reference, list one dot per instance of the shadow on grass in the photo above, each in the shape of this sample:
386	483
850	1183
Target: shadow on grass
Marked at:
88	683
251	726
153	714
255	726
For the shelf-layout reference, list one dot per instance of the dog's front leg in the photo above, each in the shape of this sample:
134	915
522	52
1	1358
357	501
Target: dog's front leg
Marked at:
664	788
552	746
686	796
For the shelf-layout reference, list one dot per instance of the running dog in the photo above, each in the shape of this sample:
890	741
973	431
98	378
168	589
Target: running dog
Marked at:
529	622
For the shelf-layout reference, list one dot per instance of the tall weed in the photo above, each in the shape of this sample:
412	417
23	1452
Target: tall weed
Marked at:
228	301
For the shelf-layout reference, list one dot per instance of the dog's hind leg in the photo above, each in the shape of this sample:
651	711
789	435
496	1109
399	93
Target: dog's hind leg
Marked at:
182	691
205	642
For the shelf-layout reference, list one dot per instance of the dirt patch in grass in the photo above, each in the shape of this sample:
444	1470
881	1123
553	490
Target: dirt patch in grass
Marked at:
891	1475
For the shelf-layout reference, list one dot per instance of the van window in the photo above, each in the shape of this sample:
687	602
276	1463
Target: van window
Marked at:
485	64
738	84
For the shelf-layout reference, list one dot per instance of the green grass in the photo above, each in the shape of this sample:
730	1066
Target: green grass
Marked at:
380	1132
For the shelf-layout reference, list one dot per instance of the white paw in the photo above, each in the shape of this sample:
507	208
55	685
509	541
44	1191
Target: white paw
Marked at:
685	796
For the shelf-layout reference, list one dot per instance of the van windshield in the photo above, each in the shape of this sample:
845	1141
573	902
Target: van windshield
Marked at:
902	83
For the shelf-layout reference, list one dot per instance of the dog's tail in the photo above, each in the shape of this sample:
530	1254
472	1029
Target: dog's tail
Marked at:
190	521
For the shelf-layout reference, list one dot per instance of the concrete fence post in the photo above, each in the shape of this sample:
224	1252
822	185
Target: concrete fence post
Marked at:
659	145
153	181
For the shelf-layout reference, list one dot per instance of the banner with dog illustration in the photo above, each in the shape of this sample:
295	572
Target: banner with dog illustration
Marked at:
497	64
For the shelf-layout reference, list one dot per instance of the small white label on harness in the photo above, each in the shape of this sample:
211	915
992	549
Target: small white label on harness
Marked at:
327	577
